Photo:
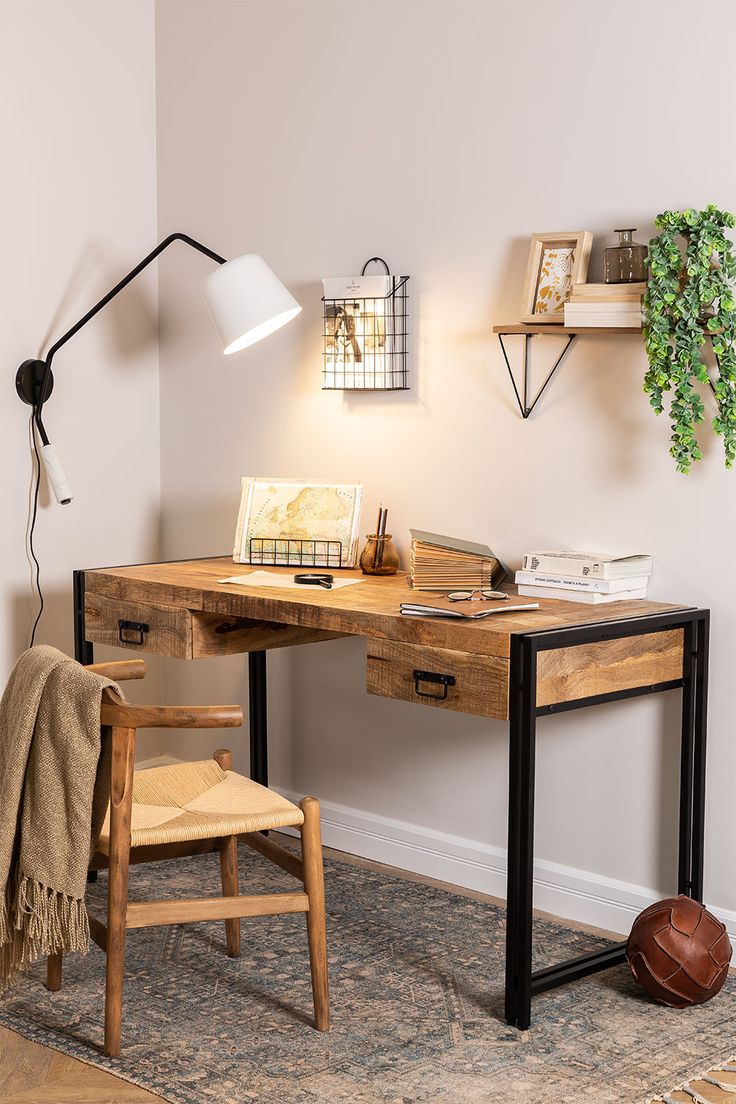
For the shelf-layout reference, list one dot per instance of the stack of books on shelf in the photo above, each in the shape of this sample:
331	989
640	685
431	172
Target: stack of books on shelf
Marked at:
605	305
590	577
445	563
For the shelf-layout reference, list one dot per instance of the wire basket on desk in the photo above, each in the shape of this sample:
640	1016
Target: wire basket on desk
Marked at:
288	552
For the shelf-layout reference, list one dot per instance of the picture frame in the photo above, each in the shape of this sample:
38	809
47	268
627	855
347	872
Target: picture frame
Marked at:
296	521
556	261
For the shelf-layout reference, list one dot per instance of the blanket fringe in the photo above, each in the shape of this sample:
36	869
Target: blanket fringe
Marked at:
4	923
39	921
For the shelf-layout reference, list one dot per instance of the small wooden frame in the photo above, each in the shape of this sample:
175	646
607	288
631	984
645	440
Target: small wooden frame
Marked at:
556	262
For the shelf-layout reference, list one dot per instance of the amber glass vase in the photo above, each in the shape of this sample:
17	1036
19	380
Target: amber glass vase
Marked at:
379	557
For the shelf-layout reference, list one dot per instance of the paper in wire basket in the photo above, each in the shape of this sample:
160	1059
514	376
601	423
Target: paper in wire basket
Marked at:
277	513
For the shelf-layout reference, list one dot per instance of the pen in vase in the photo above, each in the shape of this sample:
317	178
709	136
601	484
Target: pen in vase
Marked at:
378	526
381	535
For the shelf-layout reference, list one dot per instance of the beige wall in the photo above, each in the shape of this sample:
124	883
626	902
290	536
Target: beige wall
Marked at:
475	124
440	134
77	210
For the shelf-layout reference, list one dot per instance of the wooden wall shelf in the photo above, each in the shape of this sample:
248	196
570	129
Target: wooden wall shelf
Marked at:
554	328
548	330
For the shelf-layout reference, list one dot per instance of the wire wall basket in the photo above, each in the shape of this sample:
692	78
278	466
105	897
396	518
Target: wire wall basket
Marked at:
278	551
365	332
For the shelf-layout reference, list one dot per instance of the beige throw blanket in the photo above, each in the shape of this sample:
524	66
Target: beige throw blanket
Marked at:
51	805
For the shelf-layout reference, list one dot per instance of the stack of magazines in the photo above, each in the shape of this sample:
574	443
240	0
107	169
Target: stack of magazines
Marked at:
592	577
446	563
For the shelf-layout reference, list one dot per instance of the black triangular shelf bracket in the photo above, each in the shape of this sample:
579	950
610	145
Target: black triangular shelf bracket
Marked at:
548	330
522	399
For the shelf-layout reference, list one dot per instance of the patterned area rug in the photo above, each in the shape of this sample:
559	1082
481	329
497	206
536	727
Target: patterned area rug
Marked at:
416	979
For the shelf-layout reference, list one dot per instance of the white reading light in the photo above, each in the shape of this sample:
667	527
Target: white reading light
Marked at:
56	475
247	301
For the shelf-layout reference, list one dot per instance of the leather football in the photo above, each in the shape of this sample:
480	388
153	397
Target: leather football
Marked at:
679	952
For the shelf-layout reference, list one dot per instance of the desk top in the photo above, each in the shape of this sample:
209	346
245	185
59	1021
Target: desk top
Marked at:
371	608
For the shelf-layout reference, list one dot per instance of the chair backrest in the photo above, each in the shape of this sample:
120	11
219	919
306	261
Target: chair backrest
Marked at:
120	714
123	719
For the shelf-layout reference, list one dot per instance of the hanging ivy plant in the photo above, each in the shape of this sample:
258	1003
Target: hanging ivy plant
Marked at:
689	301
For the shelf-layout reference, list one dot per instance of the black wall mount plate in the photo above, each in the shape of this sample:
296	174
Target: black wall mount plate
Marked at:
28	380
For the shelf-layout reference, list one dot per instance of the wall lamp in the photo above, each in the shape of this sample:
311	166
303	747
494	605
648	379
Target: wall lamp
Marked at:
246	302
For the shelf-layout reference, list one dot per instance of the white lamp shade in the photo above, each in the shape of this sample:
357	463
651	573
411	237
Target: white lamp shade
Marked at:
247	301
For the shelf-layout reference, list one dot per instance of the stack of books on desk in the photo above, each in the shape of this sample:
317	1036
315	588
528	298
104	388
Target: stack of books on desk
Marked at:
446	563
605	305
590	577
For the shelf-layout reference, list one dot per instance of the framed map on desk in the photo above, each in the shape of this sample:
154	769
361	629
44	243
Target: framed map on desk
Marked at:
281	510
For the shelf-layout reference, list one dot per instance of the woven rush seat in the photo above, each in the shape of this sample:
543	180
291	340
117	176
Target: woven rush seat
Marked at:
194	801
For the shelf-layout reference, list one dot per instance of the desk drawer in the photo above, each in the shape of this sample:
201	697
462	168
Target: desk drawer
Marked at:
444	679
217	634
160	630
186	634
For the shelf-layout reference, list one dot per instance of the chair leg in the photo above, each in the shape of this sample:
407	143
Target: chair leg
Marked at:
54	968
115	973
121	796
229	872
229	865
314	885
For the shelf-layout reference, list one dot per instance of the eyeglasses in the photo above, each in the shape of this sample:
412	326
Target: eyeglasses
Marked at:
477	595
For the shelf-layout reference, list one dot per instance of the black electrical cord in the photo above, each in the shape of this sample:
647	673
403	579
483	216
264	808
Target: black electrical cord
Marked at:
34	515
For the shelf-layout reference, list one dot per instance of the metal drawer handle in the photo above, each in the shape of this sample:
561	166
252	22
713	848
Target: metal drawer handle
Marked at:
139	628
439	680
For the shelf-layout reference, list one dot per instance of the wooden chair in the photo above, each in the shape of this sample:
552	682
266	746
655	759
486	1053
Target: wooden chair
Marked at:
187	809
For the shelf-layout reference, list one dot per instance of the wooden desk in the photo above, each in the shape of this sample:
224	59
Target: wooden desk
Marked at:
515	668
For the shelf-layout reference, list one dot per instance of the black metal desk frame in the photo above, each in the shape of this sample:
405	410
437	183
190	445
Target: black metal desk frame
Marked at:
522	983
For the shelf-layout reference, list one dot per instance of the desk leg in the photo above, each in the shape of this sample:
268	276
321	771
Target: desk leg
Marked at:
258	714
699	749
83	650
692	764
687	744
522	726
692	758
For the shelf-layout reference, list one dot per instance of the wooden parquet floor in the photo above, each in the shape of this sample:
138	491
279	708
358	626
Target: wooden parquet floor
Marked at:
34	1074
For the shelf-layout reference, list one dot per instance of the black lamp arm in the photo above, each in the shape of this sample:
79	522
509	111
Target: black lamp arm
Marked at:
42	383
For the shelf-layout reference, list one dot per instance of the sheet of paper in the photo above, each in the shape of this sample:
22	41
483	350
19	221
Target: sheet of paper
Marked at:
273	579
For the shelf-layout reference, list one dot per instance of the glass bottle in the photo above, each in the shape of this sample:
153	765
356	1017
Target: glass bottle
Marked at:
379	557
625	263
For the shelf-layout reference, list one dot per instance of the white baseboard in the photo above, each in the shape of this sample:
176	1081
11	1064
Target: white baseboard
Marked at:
572	894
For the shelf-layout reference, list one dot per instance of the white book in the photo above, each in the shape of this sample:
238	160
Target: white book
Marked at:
571	582
588	565
627	320
601	306
590	597
606	292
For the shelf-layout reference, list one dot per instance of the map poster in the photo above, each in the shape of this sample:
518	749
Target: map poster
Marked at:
276	511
